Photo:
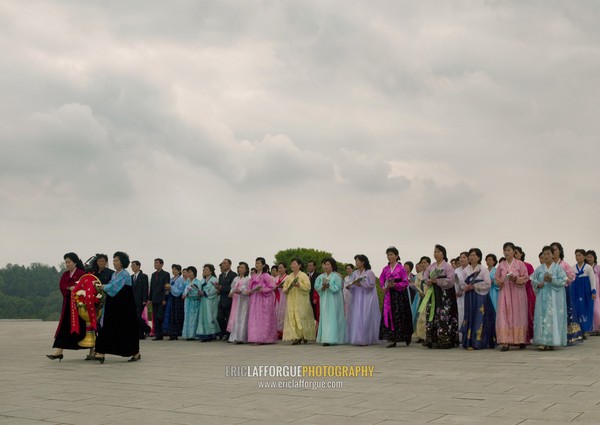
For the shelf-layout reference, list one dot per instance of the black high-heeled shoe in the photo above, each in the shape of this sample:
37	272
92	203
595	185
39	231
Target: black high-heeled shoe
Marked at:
54	357
504	348
135	358
304	341
391	344
100	359
296	342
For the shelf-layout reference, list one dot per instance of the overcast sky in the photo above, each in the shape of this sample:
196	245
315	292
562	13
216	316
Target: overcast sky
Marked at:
194	131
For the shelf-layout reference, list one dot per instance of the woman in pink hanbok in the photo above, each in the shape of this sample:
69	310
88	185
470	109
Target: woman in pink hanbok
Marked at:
262	323
520	255
512	325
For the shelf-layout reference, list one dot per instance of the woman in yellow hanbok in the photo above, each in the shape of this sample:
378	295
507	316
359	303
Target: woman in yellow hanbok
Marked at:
299	324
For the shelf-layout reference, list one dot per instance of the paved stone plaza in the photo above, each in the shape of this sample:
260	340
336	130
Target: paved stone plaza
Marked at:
182	382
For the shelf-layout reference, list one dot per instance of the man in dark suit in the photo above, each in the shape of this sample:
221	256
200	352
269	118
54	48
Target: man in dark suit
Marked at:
158	296
225	280
311	271
139	283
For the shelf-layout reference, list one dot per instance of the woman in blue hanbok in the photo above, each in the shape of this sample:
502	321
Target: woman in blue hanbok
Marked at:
208	327
492	261
173	321
479	324
192	304
332	324
550	320
583	292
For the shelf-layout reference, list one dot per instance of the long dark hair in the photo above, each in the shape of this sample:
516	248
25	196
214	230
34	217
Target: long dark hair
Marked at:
74	258
363	258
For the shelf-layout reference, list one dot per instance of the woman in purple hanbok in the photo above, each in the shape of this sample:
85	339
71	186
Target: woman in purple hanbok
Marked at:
396	319
262	322
364	314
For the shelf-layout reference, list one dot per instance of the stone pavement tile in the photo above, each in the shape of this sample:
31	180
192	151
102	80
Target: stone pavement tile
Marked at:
246	411
77	418
4	420
333	410
491	396
401	416
380	403
8	408
465	419
547	398
499	404
587	419
449	408
525	412
335	420
575	406
34	413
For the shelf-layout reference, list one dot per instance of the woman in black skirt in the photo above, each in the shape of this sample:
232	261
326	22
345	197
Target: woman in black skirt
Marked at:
63	338
119	334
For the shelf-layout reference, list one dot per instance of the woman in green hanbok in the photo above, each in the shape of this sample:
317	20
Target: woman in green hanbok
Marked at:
208	327
332	324
550	321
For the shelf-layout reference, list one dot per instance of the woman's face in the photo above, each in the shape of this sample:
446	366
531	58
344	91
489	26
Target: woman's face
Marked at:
242	270
359	264
590	259
392	258
438	255
490	262
327	268
101	263
349	270
117	263
259	266
175	271
281	270
579	257
509	253
555	252
295	266
185	275
206	272
70	264
547	257
518	254
473	259
407	269
463	260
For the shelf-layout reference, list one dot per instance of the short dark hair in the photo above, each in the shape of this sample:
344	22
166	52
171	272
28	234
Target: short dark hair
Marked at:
593	254
581	251
177	267
137	263
193	270
228	260
477	252
160	260
546	248
300	263
394	251
211	268
243	263
493	257
74	258
410	264
313	262
507	245
364	259
426	259
331	261
123	258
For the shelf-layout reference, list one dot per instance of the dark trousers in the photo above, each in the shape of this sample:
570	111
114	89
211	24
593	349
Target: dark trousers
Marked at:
223	318
158	315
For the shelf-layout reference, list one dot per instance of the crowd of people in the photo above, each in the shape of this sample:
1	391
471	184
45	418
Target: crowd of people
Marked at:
470	301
